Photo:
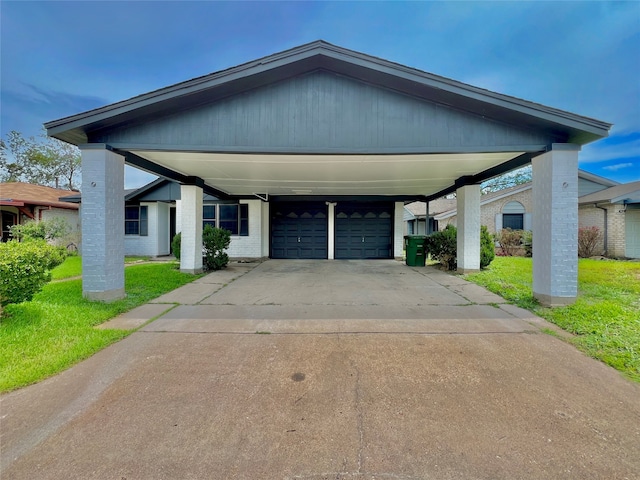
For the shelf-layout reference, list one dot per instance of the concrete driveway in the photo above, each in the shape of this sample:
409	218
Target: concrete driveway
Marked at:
327	370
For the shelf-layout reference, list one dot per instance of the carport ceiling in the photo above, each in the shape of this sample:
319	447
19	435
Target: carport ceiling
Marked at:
278	174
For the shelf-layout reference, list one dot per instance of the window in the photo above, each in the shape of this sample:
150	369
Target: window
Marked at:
513	216
514	221
208	215
136	220
234	218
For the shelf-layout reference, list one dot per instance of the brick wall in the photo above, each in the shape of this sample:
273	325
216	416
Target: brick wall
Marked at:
489	210
590	216
249	246
156	243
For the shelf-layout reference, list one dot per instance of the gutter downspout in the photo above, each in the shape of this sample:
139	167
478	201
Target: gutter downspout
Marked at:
606	230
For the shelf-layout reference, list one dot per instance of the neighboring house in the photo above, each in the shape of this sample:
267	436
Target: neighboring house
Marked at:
152	212
616	212
604	203
23	202
415	214
508	208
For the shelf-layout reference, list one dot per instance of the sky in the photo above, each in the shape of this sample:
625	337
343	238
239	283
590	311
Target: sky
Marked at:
62	58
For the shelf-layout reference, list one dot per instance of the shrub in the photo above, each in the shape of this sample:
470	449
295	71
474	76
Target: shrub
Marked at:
588	239
443	247
510	241
49	230
215	242
487	248
527	243
176	244
25	268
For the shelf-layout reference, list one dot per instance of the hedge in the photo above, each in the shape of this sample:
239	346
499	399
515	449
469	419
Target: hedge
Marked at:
25	268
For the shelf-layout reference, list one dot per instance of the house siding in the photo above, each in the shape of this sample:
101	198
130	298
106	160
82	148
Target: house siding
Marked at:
321	111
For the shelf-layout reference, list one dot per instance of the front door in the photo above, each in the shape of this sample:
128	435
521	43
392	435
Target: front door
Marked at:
8	220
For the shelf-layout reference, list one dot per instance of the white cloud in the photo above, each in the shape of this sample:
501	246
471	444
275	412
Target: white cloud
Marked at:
618	166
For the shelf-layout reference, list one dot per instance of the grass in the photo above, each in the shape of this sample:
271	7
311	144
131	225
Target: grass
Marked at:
605	318
72	267
55	330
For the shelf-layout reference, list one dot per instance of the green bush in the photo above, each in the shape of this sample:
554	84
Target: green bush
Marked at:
176	244
527	243
487	248
443	247
215	242
52	229
25	268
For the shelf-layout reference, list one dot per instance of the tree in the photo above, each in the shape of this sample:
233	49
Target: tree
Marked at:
43	161
509	179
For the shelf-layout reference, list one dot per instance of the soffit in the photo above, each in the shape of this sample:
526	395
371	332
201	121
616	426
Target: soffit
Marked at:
326	175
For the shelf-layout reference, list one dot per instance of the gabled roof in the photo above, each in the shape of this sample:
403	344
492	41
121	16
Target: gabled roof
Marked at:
490	197
592	177
625	193
320	55
419	209
21	194
138	194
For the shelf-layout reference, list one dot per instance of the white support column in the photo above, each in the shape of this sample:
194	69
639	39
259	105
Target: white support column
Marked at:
555	225
398	230
331	215
468	198
426	219
191	228
102	223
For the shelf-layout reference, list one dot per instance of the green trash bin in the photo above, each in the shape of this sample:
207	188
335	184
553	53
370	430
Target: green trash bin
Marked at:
414	246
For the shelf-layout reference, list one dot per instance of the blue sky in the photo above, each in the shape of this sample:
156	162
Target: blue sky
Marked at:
62	58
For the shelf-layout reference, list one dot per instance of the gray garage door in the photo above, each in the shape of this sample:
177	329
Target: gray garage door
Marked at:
632	232
364	230
299	230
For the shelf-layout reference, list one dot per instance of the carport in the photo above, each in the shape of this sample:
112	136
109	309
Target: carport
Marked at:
324	145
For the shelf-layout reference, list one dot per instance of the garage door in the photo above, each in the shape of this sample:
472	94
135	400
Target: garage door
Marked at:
632	233
364	230
299	230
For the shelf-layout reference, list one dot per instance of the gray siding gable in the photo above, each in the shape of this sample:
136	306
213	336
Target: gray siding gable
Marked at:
324	112
585	187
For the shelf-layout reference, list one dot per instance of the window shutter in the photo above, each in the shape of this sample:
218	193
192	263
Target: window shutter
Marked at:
498	222
144	221
244	219
527	221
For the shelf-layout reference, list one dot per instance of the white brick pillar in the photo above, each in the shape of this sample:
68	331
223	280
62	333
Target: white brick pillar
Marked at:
191	228
398	230
331	216
102	223
468	199
555	225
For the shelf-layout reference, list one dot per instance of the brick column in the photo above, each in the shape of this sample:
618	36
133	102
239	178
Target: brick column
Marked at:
398	230
468	199
555	225
191	228
102	223
331	233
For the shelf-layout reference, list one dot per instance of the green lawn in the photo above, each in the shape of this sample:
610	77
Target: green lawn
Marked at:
55	330
605	318
72	267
